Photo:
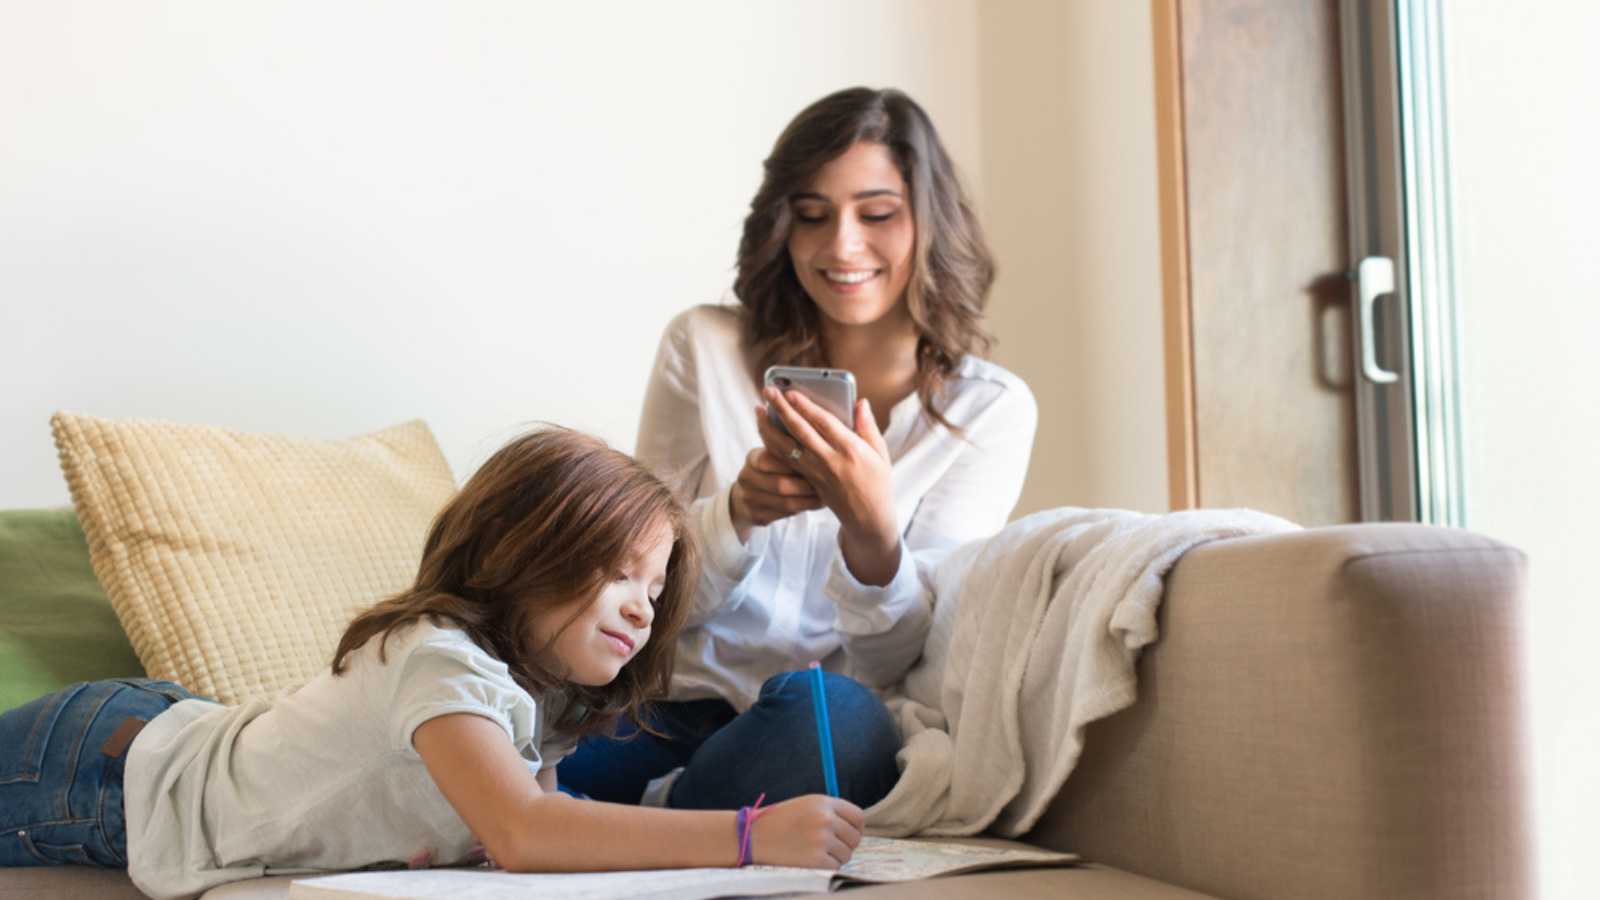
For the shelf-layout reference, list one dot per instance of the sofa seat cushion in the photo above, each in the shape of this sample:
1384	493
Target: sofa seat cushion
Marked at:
234	561
67	883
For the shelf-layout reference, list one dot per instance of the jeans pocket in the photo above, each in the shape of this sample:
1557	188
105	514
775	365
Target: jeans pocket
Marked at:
27	729
56	854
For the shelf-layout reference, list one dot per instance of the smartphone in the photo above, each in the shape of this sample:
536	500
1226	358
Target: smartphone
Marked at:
832	389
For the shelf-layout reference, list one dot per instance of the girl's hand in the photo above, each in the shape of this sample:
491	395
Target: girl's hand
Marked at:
767	490
814	831
851	474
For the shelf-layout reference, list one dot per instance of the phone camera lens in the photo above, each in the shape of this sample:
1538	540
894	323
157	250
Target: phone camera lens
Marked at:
781	382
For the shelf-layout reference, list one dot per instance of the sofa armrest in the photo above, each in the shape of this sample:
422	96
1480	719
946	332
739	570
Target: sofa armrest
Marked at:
1331	713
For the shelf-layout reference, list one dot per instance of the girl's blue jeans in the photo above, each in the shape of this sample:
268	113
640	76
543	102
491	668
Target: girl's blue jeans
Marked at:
730	759
61	763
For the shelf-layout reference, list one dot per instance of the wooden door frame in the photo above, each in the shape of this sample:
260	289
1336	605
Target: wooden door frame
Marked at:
1183	483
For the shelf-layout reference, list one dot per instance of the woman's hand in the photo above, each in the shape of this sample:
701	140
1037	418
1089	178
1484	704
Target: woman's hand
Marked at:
813	831
767	490
850	472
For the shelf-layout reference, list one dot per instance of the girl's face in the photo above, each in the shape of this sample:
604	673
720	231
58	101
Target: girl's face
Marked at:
609	631
853	236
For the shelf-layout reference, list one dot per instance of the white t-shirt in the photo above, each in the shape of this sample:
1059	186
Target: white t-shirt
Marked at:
324	778
786	598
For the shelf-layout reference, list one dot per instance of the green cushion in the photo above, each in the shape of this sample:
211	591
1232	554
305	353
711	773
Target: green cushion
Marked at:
56	626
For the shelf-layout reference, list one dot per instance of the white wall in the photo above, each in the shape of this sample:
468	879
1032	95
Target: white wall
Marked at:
1524	96
319	218
1071	207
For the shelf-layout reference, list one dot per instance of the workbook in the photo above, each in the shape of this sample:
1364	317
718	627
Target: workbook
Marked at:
877	860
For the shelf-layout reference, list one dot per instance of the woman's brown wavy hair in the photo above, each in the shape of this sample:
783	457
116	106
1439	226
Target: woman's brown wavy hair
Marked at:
544	523
951	267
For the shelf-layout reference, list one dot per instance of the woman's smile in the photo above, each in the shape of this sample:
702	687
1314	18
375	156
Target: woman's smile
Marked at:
847	281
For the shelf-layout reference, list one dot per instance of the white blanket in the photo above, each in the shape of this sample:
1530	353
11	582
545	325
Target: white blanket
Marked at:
1035	635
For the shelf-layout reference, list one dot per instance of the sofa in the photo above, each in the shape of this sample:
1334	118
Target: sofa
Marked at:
1330	713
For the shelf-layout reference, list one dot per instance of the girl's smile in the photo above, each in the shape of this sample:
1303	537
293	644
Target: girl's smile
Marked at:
622	642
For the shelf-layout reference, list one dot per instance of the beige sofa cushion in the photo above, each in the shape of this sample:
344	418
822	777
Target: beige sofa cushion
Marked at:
234	561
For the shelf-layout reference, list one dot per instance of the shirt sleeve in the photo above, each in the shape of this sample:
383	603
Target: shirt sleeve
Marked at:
672	443
725	563
554	746
671	440
882	629
441	676
975	496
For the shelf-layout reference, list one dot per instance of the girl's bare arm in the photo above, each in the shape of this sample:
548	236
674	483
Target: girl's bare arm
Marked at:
526	828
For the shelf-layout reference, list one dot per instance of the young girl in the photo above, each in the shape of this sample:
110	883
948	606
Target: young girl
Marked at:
439	725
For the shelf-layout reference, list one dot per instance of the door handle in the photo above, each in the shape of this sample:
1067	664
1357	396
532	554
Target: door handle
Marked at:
1374	278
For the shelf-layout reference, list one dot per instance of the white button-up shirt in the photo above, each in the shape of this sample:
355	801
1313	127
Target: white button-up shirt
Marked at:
786	598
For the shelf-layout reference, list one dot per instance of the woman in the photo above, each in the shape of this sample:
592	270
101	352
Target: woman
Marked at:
860	253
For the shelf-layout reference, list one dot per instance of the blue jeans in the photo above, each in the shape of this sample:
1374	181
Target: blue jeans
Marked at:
61	764
729	759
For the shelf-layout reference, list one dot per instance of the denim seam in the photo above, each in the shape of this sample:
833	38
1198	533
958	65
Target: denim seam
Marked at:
50	824
37	732
77	752
33	850
100	817
22	838
148	685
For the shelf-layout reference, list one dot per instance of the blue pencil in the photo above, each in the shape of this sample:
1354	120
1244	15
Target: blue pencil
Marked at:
819	705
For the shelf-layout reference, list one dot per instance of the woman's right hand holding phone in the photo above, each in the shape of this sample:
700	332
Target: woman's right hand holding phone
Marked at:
814	831
767	489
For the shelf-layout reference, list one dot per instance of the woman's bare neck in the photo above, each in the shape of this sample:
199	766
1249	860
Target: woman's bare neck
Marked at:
882	356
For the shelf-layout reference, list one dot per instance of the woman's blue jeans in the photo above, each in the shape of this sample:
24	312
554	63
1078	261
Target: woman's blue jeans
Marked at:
730	759
61	763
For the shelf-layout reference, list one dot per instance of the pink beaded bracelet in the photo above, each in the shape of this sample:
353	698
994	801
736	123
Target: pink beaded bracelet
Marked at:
745	822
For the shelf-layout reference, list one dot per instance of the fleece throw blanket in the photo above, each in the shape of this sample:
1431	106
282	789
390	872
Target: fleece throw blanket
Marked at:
1035	635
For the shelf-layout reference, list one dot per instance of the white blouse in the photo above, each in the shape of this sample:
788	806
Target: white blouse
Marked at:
786	598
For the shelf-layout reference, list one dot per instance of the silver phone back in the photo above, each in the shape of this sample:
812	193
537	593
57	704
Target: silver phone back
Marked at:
831	389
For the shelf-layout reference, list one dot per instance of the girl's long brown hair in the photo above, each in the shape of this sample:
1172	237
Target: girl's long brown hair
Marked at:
544	523
951	270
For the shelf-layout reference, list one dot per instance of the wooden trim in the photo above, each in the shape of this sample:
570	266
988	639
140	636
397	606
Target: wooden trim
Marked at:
1183	482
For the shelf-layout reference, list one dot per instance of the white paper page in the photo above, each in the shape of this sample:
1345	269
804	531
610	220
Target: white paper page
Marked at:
876	860
493	884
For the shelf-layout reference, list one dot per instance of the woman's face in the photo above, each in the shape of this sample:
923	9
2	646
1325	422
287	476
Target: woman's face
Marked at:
853	236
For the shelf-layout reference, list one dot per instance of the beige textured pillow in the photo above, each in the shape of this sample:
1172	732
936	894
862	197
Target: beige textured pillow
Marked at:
235	561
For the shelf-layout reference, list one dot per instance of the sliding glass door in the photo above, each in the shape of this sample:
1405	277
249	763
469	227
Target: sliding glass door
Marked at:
1403	309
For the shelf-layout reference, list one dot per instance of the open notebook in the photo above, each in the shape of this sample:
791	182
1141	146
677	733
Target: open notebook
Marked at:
877	860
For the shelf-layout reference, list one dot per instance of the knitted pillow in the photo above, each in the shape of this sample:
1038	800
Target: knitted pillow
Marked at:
235	561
